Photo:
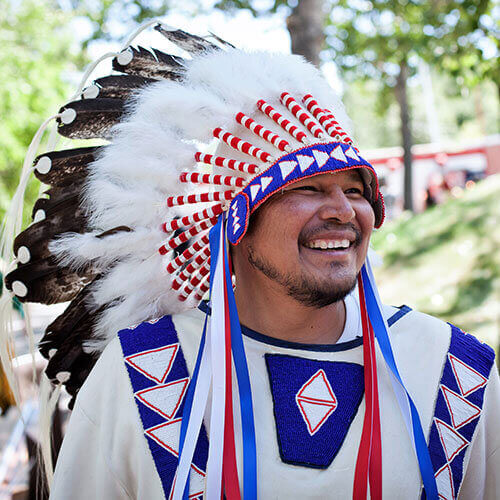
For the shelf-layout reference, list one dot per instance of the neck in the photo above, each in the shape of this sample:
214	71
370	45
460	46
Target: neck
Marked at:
265	307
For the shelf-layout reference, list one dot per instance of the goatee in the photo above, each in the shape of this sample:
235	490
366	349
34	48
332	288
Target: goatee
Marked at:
303	289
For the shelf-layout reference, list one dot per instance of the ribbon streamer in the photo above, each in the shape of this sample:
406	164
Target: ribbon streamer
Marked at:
408	408
244	389
224	336
369	461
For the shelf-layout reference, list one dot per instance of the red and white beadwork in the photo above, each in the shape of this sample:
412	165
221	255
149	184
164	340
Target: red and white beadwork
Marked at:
190	269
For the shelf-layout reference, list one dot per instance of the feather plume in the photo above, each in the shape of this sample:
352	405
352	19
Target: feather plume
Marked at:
45	282
63	342
59	222
64	168
93	118
156	65
186	41
117	86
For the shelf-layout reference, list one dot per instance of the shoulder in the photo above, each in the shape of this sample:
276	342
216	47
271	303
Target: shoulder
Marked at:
415	329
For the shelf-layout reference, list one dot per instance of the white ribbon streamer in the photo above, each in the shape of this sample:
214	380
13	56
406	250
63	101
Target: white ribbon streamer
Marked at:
200	398
217	340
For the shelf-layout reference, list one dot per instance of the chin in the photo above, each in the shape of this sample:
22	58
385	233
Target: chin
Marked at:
318	294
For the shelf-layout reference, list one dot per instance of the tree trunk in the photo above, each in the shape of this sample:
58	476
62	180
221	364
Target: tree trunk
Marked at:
306	27
402	98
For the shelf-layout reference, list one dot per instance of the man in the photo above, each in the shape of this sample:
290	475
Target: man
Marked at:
313	408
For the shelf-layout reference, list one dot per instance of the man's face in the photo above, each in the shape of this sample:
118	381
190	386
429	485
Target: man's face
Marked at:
312	239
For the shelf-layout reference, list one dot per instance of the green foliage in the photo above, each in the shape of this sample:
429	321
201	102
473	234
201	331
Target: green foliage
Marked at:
376	116
35	50
445	261
371	38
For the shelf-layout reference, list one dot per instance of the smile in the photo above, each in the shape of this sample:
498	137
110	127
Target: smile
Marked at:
323	244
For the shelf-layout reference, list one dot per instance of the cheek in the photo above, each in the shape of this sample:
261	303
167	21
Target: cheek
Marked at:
277	228
366	219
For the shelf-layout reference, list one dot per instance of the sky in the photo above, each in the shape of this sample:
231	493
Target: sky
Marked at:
240	28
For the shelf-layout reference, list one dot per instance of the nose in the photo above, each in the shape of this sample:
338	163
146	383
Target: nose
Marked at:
337	206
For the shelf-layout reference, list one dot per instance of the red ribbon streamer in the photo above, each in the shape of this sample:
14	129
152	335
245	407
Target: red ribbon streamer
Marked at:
229	467
369	461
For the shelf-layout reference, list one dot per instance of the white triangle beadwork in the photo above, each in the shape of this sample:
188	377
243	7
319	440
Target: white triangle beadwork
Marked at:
468	379
154	363
254	189
314	413
461	410
444	482
265	181
338	154
305	161
167	435
164	399
451	440
321	157
352	154
287	167
318	387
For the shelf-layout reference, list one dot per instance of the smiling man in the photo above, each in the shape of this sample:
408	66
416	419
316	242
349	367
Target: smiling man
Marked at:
302	256
262	363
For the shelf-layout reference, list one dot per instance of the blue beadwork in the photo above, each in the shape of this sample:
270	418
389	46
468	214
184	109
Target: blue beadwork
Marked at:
287	375
142	338
479	357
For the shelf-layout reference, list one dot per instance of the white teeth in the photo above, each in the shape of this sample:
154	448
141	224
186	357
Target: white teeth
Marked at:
328	244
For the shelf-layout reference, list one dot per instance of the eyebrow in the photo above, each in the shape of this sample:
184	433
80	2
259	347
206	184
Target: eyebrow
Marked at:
355	175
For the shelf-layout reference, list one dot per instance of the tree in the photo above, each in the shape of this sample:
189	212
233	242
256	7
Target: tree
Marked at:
473	50
35	54
383	40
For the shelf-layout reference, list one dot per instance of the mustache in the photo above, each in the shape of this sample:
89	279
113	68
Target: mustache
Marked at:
331	226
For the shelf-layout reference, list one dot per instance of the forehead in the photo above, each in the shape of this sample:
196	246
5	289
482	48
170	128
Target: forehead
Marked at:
340	177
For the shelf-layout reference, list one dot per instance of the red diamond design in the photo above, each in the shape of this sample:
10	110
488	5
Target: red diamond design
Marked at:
316	401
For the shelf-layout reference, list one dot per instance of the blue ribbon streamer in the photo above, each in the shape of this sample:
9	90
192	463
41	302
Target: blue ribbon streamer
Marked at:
244	388
377	321
214	238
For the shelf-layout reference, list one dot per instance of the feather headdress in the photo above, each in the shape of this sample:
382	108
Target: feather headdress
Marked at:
139	228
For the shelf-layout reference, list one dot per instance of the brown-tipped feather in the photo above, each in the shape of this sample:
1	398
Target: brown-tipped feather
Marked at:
49	283
94	118
66	335
157	65
63	214
120	86
67	165
186	41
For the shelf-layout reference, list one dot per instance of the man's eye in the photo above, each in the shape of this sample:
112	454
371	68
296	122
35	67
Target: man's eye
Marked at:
354	190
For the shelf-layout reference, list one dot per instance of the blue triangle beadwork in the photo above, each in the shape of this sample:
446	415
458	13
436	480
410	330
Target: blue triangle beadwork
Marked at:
315	403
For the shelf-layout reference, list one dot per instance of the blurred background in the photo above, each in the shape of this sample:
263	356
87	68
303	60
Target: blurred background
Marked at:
420	80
